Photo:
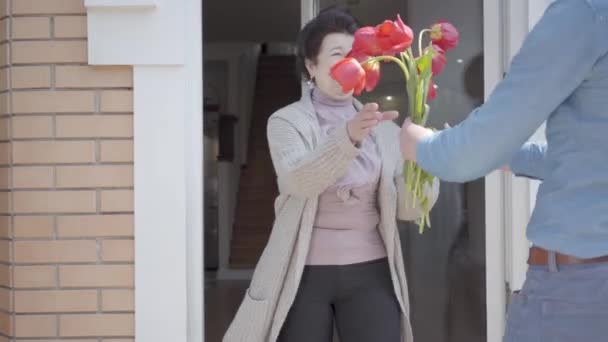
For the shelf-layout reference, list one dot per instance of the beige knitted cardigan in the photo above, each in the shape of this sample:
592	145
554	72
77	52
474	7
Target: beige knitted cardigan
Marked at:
305	167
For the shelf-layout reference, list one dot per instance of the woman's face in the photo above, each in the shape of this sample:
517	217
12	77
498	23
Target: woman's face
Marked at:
333	48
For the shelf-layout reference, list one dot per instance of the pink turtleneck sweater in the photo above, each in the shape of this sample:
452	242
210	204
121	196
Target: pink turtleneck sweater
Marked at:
346	225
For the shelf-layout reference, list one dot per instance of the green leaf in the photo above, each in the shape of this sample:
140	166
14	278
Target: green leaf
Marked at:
425	62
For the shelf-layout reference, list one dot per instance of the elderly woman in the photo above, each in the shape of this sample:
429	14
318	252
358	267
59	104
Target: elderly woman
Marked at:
334	254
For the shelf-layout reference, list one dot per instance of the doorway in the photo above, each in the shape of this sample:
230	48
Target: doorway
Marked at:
447	265
248	74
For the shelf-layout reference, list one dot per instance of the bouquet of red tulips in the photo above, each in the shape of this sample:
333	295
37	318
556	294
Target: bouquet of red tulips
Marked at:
392	41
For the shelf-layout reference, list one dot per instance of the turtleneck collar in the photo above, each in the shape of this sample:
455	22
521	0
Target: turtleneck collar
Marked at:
319	97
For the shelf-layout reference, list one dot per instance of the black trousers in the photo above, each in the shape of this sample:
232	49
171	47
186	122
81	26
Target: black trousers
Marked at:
359	298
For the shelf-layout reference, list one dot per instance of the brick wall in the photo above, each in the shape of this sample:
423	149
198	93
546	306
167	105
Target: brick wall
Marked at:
66	181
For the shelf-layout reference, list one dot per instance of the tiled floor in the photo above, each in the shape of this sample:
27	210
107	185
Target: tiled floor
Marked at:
222	299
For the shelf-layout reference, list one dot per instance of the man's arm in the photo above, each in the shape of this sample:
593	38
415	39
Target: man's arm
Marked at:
529	161
555	59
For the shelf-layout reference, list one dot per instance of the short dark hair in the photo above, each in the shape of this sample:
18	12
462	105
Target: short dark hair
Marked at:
333	19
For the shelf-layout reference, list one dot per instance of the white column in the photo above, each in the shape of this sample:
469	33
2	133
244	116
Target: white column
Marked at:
193	143
161	39
517	206
494	183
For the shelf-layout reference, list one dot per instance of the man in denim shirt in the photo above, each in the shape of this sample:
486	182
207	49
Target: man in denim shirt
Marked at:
560	76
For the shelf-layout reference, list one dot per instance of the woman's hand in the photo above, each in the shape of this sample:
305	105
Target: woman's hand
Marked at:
369	116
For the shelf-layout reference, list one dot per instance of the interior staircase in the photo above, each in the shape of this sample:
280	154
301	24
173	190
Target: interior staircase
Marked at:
277	85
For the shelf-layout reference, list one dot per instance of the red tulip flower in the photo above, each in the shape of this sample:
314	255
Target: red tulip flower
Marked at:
366	42
372	75
444	35
439	60
372	69
432	95
349	74
359	55
394	36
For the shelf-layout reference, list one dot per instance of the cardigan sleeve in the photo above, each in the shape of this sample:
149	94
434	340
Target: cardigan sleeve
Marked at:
301	170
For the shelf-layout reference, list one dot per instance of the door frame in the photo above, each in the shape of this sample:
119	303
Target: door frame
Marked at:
494	182
514	19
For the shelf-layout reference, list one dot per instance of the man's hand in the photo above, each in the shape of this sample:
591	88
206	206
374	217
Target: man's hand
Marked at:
409	137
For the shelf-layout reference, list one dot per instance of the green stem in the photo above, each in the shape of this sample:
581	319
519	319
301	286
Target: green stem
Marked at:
405	58
410	53
418	175
409	173
420	40
420	102
391	59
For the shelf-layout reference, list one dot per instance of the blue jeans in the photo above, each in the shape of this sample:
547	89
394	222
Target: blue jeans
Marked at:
560	304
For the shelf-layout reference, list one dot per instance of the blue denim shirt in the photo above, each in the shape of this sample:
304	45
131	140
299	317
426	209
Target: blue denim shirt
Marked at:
560	75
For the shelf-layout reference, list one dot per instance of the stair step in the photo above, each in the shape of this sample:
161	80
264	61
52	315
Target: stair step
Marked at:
242	265
257	250
245	260
251	238
259	159
251	174
277	85
253	182
265	214
260	210
242	244
264	204
239	249
242	251
244	255
267	198
268	201
255	235
254	229
255	217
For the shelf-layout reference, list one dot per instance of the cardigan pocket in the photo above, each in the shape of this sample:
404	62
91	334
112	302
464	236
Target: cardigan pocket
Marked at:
250	322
